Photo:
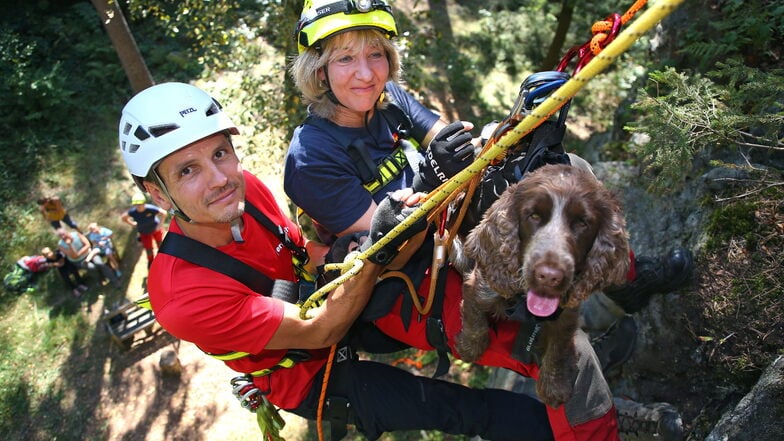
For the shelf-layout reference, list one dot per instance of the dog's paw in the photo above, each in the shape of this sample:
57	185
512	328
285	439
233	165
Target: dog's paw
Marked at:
555	386
470	347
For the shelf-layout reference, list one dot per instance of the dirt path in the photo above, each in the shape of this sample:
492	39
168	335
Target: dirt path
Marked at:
138	402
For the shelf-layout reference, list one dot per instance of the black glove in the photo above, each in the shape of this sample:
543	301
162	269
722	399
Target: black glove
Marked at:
343	245
388	215
448	153
337	253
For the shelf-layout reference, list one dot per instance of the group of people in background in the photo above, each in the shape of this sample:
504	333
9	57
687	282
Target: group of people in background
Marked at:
94	250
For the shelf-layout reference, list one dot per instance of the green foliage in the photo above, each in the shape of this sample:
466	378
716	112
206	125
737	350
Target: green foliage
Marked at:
752	30
684	115
194	34
517	43
733	220
59	78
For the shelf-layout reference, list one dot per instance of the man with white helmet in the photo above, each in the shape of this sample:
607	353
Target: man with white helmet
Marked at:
216	283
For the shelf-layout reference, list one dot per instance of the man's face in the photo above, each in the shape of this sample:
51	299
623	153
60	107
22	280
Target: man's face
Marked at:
205	180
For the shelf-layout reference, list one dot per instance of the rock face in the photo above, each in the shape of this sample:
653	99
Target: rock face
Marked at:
760	414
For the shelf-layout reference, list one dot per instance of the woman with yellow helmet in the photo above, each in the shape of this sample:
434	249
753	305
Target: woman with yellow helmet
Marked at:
337	171
352	147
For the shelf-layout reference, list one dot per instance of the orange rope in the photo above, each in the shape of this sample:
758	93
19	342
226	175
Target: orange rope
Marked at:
600	28
323	395
423	310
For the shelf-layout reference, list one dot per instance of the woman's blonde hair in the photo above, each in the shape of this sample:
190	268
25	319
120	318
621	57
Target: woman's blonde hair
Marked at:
306	66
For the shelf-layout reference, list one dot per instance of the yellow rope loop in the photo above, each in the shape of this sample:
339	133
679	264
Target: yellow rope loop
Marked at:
356	267
494	149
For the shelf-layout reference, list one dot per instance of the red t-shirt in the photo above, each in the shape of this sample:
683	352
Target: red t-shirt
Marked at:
220	314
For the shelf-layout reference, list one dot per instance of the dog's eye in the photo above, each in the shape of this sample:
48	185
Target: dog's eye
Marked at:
535	218
580	224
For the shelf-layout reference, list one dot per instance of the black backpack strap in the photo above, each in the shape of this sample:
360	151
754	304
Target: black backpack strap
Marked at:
195	252
277	230
397	120
206	256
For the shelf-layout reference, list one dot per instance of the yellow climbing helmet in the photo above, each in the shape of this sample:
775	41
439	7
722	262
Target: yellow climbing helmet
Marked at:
138	198
321	19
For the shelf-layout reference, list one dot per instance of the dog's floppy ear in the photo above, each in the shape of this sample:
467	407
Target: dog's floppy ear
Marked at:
495	245
608	260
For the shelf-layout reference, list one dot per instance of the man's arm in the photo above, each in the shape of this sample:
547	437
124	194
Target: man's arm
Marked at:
128	219
331	321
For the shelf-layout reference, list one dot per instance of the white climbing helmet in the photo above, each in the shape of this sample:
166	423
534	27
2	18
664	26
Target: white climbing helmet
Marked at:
163	119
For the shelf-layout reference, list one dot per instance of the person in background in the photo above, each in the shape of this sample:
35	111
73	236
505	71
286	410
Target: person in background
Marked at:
52	209
79	251
101	238
148	220
67	270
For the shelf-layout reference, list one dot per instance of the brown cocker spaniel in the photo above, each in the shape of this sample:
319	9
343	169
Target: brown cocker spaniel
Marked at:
553	238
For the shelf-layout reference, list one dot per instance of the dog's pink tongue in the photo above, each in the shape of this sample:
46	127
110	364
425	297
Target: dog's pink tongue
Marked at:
540	306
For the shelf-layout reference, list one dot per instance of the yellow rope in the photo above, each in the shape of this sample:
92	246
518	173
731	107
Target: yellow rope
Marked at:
352	268
654	14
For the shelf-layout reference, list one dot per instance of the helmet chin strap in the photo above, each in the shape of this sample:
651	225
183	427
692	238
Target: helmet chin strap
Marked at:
329	93
236	230
174	210
236	224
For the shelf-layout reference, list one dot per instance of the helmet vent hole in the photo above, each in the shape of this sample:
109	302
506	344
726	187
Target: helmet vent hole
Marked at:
214	108
126	129
141	134
133	148
162	130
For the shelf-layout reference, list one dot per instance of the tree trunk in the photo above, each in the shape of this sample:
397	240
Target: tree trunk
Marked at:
131	59
556	46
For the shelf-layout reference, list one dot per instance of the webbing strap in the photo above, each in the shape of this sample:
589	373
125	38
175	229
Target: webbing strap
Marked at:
203	255
206	256
299	255
389	169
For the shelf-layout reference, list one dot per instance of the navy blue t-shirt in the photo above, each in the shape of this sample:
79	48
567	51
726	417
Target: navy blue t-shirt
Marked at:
320	176
146	221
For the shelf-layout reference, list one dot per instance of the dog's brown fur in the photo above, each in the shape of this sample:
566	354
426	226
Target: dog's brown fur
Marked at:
560	233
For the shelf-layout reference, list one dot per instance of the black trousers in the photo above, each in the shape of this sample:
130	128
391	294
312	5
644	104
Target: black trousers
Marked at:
384	398
70	275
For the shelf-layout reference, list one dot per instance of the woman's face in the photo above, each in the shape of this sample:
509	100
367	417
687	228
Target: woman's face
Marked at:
357	75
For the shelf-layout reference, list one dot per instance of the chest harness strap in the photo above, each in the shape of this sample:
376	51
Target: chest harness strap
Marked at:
208	257
374	176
